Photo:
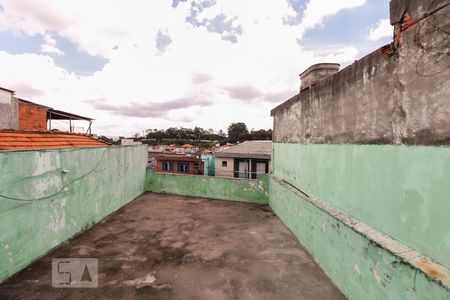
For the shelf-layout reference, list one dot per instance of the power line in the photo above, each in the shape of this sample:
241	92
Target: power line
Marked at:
61	189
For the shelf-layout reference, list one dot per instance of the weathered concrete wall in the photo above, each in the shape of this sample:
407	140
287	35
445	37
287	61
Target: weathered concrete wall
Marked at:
244	190
362	267
392	96
399	94
221	171
14	113
5	109
62	192
402	191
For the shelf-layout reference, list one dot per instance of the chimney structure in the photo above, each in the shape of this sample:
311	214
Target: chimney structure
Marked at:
316	73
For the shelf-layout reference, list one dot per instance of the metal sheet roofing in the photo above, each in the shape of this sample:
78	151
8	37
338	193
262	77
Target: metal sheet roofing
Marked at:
248	149
62	115
33	140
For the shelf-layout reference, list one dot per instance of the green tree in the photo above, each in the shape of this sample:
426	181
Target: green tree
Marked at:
237	132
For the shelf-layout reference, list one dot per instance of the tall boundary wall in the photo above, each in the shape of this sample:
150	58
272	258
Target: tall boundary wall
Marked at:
48	196
221	188
362	261
361	163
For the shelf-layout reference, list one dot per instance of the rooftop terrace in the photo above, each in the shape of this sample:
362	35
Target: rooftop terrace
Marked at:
195	248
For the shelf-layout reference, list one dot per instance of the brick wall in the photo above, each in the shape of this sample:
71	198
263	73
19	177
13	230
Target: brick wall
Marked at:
32	117
159	167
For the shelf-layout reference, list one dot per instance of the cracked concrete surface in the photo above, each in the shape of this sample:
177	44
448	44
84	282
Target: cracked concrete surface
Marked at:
163	246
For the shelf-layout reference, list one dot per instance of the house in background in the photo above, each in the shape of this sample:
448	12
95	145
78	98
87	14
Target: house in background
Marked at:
129	142
26	125
208	164
171	148
186	148
20	114
219	148
246	160
180	164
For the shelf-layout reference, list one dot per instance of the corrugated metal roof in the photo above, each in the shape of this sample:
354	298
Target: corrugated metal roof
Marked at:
32	140
248	149
54	114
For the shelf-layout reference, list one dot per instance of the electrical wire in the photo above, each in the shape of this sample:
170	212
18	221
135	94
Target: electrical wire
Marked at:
433	40
61	189
426	15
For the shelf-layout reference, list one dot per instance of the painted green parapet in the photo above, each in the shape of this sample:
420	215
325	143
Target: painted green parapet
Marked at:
360	267
59	193
403	191
244	190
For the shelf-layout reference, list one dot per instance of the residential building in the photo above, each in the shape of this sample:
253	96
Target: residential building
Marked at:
219	148
129	142
246	160
185	149
171	148
181	164
25	125
209	164
20	114
153	152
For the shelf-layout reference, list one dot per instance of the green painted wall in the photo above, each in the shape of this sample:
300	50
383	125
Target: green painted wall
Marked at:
254	191
360	268
403	191
99	181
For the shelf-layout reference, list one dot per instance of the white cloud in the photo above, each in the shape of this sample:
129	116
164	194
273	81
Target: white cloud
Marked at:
49	46
382	29
198	80
317	10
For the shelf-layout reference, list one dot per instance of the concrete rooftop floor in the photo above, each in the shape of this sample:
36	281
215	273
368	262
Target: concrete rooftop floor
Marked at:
195	248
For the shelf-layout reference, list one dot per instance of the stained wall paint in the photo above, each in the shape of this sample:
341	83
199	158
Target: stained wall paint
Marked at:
103	180
402	191
360	268
244	190
398	94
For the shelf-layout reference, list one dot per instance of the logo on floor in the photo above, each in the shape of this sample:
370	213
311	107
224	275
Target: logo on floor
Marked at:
75	273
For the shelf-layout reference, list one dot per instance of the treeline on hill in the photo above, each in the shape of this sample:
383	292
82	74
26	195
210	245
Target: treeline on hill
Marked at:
237	132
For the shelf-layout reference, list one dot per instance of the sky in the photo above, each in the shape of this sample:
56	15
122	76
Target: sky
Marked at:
133	65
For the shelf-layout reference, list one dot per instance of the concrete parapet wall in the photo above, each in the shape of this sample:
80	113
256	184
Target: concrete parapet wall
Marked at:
372	141
362	262
244	190
399	94
48	196
400	190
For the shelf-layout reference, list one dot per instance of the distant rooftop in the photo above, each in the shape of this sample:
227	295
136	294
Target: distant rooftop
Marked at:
7	90
187	146
32	140
248	149
180	158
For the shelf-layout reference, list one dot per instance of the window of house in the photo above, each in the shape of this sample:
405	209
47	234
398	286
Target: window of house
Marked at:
167	166
183	167
224	163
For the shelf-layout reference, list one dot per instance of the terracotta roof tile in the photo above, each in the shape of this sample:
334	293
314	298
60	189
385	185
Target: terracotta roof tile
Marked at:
32	140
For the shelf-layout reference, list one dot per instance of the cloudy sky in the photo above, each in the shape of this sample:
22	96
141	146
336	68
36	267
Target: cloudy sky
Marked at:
139	64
